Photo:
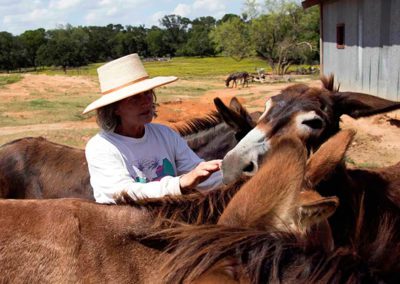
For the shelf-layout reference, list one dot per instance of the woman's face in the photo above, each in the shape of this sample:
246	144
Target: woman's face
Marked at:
136	110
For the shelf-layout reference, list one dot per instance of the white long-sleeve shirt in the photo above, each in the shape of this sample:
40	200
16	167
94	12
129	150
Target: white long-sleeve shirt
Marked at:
145	167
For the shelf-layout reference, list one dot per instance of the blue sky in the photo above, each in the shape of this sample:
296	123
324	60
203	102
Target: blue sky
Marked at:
16	16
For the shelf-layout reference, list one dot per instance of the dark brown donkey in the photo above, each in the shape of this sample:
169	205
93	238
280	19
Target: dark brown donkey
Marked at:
38	168
270	238
313	115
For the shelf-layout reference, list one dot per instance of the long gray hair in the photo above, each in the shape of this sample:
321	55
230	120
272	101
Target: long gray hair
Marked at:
108	120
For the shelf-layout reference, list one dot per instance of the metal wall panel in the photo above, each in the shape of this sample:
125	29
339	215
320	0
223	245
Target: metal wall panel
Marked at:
370	61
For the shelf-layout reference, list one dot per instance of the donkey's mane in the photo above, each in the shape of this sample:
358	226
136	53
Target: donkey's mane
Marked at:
195	208
275	256
198	124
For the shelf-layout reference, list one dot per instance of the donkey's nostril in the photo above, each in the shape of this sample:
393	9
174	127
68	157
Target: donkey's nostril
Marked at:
315	123
249	168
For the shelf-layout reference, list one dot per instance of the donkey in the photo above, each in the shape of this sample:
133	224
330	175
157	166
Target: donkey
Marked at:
268	237
38	168
243	77
313	115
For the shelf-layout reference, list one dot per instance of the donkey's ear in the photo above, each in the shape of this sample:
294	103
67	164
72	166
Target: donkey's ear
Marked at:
323	162
317	210
360	105
239	108
231	117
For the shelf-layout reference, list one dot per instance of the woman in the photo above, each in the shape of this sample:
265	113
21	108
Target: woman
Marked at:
132	154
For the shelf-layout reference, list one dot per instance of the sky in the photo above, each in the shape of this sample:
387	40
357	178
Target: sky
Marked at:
17	16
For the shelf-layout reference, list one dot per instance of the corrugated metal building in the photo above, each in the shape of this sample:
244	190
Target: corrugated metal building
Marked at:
360	44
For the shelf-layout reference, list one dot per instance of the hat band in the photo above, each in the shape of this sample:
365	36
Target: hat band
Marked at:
124	85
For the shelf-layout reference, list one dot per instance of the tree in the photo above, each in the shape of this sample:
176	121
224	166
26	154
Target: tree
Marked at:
199	42
251	9
66	47
233	38
31	41
175	35
10	52
227	17
279	35
155	43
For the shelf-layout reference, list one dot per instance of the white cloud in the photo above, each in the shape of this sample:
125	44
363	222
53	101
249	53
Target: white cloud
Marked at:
112	12
91	17
209	5
105	2
182	10
64	4
39	14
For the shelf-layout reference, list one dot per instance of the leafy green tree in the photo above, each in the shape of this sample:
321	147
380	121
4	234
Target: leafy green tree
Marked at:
66	47
175	35
199	42
130	40
279	35
99	43
10	52
227	17
31	41
251	9
232	38
155	42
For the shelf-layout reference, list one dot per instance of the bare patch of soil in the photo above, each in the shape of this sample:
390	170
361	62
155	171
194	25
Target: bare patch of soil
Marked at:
376	143
34	84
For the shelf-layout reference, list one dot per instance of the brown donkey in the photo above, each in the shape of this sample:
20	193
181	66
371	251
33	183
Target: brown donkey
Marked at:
273	243
311	114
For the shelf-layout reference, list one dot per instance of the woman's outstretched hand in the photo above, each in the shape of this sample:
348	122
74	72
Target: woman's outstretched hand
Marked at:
199	174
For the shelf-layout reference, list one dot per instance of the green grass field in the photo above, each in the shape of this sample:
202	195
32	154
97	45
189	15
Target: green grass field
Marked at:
184	67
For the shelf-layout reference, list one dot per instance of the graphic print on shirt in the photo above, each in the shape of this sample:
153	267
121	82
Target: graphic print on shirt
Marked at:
152	169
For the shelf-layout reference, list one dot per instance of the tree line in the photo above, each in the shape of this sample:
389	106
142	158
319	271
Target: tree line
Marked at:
282	35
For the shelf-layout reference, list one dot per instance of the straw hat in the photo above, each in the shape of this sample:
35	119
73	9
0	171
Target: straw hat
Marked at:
122	78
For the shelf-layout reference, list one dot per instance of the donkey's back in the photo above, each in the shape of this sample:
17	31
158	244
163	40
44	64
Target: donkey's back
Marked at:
32	168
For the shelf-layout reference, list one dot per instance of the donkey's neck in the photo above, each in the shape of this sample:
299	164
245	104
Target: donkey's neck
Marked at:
212	143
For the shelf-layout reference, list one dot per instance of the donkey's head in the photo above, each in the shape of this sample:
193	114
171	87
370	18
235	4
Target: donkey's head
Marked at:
311	114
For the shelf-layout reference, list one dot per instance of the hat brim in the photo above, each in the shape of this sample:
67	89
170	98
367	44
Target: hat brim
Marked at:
129	91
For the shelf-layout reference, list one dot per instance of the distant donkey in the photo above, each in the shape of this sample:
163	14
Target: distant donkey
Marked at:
242	77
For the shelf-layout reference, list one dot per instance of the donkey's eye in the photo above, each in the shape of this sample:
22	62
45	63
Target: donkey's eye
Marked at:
314	123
